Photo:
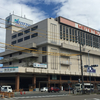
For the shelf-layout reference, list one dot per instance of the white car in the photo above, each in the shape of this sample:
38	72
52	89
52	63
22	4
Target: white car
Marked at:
44	89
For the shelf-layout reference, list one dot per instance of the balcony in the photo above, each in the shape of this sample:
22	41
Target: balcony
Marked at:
65	62
18	57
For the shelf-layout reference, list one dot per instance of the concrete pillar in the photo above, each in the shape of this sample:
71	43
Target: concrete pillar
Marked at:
48	80
60	84
34	81
17	82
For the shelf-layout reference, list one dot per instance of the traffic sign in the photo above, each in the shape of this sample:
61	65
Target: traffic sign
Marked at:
94	65
91	70
86	66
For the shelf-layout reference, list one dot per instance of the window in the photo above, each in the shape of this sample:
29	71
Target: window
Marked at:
44	59
10	55
44	49
83	38
34	35
27	31
79	37
27	37
20	53
60	31
75	36
67	33
20	40
14	36
64	32
10	63
70	34
19	34
13	42
34	28
20	61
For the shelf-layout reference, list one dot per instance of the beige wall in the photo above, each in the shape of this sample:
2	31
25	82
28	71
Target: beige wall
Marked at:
50	28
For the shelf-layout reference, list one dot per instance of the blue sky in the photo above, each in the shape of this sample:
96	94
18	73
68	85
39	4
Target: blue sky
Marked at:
85	12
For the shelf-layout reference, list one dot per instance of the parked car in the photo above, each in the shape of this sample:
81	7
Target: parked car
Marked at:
68	88
44	89
53	89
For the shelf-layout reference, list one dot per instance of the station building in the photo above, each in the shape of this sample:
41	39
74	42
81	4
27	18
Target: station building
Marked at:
47	53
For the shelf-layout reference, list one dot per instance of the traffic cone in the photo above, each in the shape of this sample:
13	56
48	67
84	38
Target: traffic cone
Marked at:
21	92
24	92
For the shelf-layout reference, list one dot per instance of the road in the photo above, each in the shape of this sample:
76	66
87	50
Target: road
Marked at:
53	96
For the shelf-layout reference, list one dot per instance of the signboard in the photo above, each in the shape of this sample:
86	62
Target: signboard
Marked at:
39	65
8	69
18	21
91	70
79	26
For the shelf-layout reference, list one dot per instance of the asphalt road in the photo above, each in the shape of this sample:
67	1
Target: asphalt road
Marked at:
53	96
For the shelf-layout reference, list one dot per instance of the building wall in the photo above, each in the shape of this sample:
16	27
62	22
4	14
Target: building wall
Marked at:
49	36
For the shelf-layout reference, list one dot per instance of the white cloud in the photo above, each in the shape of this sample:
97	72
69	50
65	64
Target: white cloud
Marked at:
82	11
31	12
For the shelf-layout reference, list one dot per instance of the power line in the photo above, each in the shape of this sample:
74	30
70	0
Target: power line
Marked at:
38	51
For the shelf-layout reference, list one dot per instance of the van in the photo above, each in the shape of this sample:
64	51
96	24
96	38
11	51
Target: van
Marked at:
87	86
6	89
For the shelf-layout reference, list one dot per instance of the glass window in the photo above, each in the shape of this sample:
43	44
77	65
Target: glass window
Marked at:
13	42
34	28
79	37
10	63
27	31
83	38
75	36
14	36
19	34
67	33
10	55
64	32
20	61
44	49
44	59
34	35
70	34
27	37
20	53
20	40
60	31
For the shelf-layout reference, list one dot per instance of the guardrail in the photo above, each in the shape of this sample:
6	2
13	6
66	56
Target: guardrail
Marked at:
6	94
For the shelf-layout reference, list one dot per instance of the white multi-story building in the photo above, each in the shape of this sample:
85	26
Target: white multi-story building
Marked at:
48	53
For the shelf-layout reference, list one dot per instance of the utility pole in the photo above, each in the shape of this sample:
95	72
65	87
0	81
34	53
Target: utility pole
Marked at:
81	64
89	71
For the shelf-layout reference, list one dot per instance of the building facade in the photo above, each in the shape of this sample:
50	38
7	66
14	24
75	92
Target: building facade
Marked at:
48	53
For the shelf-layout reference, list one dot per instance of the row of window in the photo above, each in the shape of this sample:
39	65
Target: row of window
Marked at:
25	38
25	32
77	36
19	54
20	61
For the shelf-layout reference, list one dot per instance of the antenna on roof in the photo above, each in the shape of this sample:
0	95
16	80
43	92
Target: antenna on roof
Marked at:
56	17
